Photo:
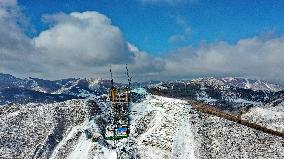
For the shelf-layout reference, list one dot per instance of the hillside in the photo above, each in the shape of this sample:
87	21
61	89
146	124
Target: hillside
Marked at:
51	122
160	128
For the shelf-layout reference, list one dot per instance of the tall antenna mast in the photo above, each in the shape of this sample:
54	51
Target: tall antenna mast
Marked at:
128	77
111	76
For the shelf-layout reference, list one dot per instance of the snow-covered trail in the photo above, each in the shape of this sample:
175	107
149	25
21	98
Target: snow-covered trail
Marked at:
70	135
82	149
167	120
183	143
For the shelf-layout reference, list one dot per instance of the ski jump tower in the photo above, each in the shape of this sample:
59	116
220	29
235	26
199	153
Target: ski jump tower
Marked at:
118	126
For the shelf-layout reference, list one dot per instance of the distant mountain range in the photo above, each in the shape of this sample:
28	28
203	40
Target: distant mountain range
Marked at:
16	90
242	83
231	94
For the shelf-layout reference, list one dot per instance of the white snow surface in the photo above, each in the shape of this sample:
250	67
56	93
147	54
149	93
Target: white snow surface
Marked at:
268	116
82	149
165	121
161	128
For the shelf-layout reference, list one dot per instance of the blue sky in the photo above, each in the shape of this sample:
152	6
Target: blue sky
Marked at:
150	26
158	39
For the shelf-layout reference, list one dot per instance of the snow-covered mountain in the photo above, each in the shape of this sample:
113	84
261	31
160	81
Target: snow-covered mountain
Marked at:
270	115
161	127
34	130
229	94
241	83
46	119
16	90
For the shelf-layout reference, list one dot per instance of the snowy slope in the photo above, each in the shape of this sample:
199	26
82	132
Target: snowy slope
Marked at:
157	123
219	138
271	116
33	130
161	128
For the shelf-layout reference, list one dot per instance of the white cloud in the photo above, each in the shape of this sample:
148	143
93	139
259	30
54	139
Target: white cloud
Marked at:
253	57
88	37
84	44
16	49
5	3
75	45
